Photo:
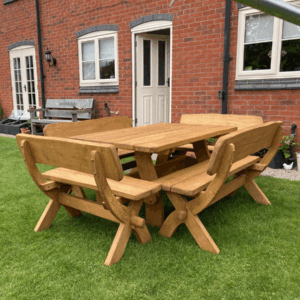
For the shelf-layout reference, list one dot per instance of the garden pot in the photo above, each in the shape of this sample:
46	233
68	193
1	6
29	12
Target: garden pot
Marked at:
298	160
277	162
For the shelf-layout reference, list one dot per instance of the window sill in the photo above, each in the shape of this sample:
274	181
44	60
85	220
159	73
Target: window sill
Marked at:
267	84
8	1
99	89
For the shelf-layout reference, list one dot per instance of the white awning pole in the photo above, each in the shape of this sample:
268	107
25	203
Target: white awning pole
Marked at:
276	8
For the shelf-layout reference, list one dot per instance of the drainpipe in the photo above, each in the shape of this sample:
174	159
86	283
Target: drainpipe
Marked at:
223	95
38	25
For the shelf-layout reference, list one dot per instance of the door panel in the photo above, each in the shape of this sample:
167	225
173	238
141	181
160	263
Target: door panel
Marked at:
152	71
161	108
147	109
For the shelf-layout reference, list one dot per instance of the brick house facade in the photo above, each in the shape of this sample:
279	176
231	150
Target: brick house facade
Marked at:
197	49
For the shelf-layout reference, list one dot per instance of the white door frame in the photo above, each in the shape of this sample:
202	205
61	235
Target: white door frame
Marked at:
145	28
20	51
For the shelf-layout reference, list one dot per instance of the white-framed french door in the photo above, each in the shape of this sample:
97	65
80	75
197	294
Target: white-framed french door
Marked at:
24	78
152	79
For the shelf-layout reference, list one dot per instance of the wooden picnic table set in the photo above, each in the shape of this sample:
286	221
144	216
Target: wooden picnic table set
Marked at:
87	155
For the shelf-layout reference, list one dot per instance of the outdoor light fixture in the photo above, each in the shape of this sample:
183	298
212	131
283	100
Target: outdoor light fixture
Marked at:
49	58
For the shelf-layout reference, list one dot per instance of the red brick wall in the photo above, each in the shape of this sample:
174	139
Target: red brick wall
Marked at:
18	23
272	105
198	37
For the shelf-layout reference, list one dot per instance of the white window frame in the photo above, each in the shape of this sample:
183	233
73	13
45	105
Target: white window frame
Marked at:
273	72
95	37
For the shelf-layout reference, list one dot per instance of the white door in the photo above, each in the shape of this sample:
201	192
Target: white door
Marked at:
152	79
24	78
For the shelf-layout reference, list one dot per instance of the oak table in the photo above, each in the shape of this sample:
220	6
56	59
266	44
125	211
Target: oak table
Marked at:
162	139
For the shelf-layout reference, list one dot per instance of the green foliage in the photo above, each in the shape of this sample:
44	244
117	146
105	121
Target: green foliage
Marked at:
211	141
287	142
259	248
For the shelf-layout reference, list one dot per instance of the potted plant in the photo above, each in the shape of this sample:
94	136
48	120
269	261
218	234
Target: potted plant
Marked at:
283	153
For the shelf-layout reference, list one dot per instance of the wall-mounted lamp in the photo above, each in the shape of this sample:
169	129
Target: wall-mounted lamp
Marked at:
49	58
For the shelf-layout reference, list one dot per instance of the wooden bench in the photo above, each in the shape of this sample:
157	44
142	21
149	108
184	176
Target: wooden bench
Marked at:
95	166
240	121
66	130
205	181
62	110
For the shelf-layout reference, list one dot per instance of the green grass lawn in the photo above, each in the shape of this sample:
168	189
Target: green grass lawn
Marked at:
259	247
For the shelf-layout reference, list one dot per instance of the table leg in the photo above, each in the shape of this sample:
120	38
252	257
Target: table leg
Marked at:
146	169
162	157
201	150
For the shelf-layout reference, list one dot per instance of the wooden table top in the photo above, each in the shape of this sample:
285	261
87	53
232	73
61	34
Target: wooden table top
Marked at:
157	137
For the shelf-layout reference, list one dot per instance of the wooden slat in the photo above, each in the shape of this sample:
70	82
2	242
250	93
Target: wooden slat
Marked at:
157	137
190	148
48	121
173	141
69	103
240	121
88	206
247	141
66	114
174	178
128	187
87	127
64	153
192	180
175	164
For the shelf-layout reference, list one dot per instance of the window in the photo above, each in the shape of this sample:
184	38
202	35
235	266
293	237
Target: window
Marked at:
268	47
98	59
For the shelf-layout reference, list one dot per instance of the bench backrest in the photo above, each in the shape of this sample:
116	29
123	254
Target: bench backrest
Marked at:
246	142
72	154
240	121
85	127
62	108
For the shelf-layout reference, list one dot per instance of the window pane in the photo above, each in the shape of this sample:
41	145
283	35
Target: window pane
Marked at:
107	69
290	30
161	62
147	62
88	51
290	56
257	56
106	48
259	28
88	70
33	100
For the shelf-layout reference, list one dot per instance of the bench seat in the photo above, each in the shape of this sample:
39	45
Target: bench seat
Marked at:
190	148
194	179
129	187
48	121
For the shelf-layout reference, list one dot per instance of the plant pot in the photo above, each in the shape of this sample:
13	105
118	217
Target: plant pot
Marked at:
298	160
277	162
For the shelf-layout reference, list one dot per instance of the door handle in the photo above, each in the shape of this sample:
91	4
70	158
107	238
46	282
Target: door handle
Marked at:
168	81
25	87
